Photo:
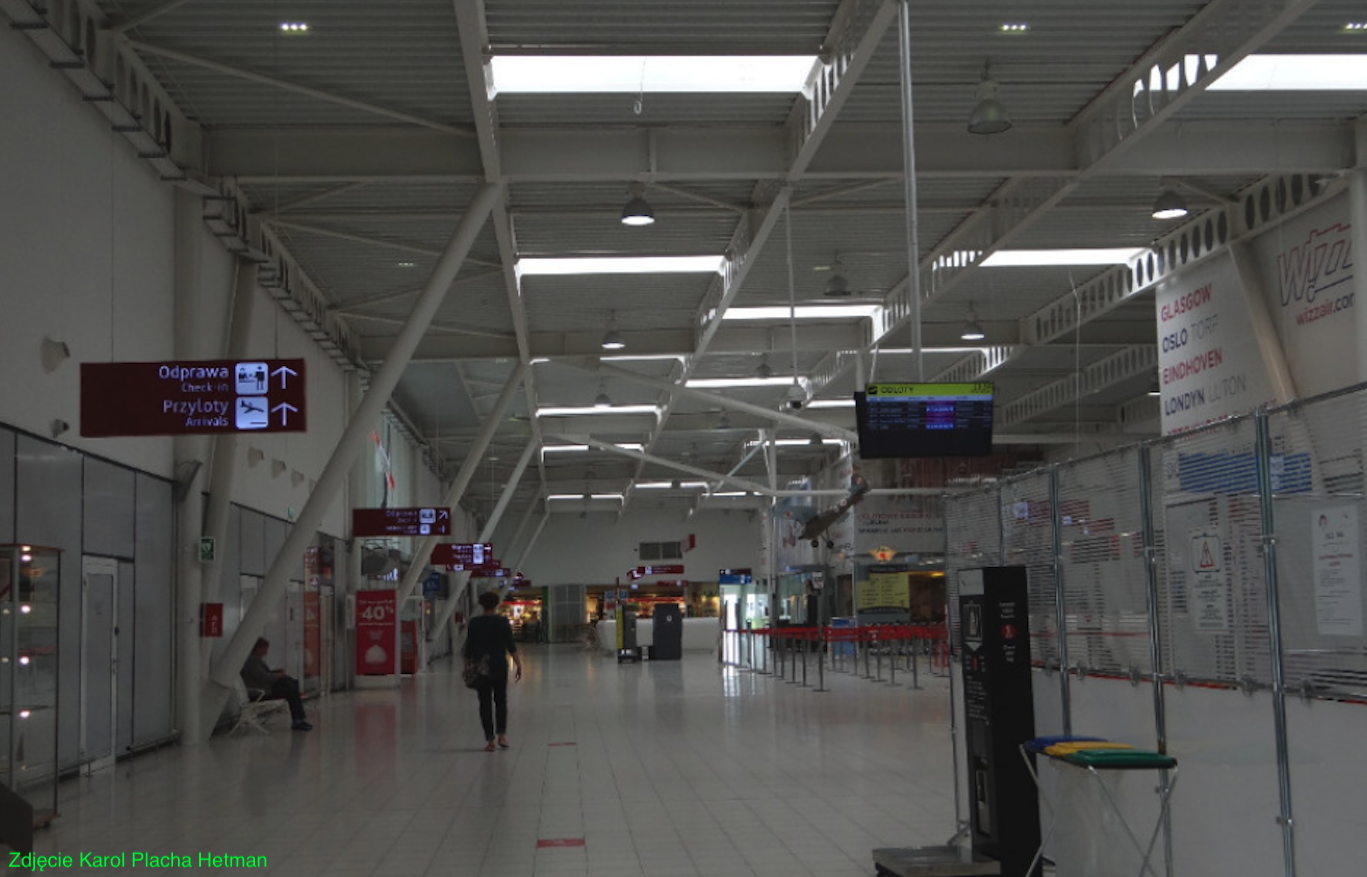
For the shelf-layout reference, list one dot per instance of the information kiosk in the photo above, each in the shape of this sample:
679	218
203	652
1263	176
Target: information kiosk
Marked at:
994	633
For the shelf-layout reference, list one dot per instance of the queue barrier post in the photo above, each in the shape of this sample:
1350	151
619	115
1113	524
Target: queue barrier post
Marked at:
806	637
898	638
823	636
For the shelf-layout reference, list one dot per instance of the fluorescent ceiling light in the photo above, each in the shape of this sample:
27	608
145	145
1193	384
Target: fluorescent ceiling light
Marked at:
1095	256
730	493
831	403
571	411
670	485
897	351
531	266
579	496
627	446
1015	27
722	383
804	312
1296	73
294	26
793	443
640	357
637	74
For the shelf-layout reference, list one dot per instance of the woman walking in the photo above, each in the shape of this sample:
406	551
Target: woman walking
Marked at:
489	639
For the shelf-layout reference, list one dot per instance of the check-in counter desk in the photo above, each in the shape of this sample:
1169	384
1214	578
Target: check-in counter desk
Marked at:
699	634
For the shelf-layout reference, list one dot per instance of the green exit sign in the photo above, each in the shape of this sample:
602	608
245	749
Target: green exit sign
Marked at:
208	552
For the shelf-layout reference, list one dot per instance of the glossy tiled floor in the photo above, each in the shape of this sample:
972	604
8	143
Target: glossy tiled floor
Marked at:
660	769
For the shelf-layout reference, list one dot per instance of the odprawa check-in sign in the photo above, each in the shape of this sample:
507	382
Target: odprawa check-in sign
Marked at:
194	397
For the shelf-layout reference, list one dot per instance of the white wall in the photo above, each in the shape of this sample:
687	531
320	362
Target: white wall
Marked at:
87	245
599	548
86	248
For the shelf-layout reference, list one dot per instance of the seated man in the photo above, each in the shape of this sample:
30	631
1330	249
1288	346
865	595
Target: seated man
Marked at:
275	683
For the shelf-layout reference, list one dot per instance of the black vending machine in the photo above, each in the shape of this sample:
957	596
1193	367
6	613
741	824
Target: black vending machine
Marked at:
668	633
999	714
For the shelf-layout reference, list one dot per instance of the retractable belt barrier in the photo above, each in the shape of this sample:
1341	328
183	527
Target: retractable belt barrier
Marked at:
791	646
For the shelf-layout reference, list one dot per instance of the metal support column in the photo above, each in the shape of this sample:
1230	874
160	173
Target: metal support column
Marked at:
353	440
190	451
463	579
531	542
1060	607
1160	717
423	550
1274	640
515	542
909	178
223	469
1357	210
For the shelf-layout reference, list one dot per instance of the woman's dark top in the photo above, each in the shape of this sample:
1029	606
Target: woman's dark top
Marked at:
490	635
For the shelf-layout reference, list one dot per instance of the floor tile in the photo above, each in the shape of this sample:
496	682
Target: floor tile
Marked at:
677	769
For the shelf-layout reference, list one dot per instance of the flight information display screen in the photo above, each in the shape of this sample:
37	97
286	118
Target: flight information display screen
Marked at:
924	420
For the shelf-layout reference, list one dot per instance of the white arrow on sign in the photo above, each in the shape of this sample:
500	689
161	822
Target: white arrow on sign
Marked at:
284	408
282	371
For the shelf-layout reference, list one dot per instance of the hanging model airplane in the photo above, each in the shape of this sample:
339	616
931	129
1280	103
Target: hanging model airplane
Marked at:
822	520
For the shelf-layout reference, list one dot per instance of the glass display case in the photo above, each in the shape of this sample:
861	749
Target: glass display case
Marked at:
29	577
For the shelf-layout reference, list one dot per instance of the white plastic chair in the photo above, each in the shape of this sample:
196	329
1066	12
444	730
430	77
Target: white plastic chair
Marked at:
253	708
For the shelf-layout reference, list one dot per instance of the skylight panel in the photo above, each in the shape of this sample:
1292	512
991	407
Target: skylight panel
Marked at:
530	266
1095	256
1296	73
655	74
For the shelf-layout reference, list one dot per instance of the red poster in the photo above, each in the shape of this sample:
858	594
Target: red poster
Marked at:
375	642
211	619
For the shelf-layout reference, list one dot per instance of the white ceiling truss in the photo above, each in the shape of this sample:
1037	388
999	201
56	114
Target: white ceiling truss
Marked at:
340	161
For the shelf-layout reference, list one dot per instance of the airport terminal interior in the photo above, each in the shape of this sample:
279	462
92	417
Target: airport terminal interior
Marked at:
904	436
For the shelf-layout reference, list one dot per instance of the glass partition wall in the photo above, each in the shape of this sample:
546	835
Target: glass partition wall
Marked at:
29	577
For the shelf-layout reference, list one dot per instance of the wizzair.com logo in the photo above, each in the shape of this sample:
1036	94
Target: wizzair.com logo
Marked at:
1318	274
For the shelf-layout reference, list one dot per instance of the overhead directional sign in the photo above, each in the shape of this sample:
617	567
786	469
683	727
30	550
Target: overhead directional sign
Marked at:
423	521
192	398
668	569
477	568
467	555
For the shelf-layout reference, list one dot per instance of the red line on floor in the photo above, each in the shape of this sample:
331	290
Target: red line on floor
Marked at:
559	842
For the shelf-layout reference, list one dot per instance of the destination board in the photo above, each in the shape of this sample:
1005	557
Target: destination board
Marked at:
924	420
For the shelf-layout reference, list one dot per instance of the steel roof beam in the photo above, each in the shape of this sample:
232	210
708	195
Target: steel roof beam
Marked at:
474	43
857	153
